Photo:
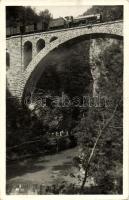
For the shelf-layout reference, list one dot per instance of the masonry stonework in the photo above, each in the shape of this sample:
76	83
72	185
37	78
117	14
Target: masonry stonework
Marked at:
18	77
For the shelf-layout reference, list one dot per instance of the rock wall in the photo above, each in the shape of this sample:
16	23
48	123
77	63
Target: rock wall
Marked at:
97	47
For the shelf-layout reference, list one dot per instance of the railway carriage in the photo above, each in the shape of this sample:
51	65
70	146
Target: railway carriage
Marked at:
86	20
29	28
39	26
55	24
13	30
58	23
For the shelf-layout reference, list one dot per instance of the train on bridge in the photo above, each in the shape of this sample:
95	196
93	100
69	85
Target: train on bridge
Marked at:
54	24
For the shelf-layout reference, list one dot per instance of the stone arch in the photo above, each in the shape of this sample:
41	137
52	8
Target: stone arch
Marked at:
53	38
27	53
40	45
35	72
7	60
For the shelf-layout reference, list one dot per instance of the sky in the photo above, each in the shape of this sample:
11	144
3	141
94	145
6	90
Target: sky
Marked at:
62	11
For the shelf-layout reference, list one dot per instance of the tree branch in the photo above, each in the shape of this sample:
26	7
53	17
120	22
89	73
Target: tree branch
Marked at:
95	144
24	143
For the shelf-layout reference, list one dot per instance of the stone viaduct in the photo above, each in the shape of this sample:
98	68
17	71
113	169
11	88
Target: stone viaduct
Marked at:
25	52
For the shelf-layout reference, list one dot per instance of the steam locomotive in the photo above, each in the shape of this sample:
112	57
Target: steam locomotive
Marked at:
54	24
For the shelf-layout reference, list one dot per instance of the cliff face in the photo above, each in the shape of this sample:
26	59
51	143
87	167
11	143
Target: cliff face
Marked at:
96	59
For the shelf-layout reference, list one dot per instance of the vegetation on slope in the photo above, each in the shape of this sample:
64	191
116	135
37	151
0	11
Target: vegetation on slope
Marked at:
109	13
25	16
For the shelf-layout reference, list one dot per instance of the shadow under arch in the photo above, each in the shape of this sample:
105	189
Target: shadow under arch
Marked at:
40	45
53	38
39	69
7	60
27	53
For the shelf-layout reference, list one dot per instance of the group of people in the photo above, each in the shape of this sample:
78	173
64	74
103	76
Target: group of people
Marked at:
61	133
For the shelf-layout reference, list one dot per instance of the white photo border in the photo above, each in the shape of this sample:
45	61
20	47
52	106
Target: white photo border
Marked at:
3	4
